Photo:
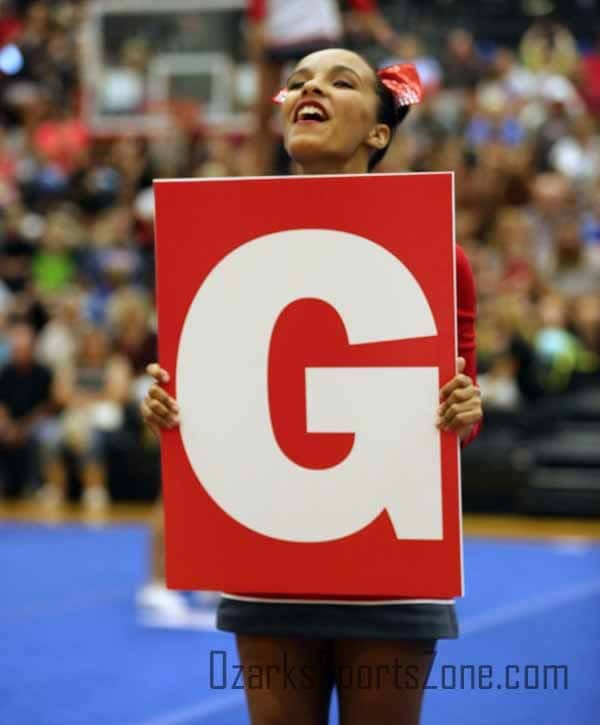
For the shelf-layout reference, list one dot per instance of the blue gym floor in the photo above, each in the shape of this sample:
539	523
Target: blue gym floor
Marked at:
72	651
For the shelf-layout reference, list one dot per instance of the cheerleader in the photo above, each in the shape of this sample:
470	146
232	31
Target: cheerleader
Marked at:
339	116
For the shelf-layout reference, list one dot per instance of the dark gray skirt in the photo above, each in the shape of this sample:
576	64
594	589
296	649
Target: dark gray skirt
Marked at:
339	621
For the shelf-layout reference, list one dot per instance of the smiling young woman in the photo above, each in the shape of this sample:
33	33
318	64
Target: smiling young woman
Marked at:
339	116
344	90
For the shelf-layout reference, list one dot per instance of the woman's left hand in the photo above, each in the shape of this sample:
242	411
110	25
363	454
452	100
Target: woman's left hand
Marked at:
460	404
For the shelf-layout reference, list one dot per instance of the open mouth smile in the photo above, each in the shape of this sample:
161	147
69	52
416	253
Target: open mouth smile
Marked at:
310	112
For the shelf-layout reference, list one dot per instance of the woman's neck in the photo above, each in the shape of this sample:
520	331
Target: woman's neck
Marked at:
354	165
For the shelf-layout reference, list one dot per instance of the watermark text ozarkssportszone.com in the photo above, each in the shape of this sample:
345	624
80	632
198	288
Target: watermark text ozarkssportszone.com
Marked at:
227	674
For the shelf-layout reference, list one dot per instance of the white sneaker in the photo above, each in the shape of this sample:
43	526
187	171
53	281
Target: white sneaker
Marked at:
50	496
206	599
155	596
162	607
95	499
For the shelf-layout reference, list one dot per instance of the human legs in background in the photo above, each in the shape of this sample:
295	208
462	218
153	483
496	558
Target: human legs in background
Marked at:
95	494
86	445
54	473
289	681
157	553
17	468
159	606
162	607
154	599
54	491
268	84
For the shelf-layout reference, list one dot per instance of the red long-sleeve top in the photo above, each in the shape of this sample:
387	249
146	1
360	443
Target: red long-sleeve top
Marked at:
466	314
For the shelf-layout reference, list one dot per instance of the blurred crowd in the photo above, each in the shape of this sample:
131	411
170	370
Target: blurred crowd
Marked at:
519	127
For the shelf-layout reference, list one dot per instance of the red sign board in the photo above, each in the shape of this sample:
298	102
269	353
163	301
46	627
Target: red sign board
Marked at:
307	324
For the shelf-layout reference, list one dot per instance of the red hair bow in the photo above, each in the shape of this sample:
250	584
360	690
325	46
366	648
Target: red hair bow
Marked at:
404	83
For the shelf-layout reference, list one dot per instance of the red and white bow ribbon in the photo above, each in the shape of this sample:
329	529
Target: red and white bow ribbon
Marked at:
281	96
403	81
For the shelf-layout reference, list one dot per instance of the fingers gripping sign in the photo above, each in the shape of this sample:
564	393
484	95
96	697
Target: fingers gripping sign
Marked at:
460	403
159	410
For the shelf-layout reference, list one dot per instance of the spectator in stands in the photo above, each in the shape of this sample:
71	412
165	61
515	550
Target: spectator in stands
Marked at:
556	105
577	155
495	120
574	270
91	394
24	405
58	341
61	140
16	252
552	201
562	356
512	237
54	266
499	389
124	87
129	319
111	261
548	47
510	322
517	81
134	165
61	72
584	317
488	271
463	66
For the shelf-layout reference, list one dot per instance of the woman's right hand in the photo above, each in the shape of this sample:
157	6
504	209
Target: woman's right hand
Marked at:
159	410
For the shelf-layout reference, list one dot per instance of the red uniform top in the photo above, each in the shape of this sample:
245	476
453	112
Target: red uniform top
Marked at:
466	316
